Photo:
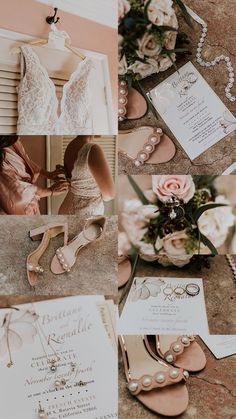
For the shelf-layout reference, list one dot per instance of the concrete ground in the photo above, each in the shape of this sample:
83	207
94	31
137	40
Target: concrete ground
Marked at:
218	14
94	272
219	289
212	392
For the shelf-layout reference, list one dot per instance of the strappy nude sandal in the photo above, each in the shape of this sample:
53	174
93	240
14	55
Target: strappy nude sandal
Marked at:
157	385
43	233
146	145
131	104
181	351
65	257
124	270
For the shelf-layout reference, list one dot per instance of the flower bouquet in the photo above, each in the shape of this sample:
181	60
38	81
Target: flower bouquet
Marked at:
180	217
149	37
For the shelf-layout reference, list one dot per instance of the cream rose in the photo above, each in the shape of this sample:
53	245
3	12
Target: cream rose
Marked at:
123	9
179	261
148	45
166	62
166	186
160	12
147	252
174	244
122	67
144	69
215	223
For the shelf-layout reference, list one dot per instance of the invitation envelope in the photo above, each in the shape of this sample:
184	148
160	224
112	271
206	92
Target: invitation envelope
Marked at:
221	345
77	332
152	307
192	110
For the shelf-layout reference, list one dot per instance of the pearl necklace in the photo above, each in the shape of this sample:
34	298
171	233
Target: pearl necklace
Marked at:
217	60
232	265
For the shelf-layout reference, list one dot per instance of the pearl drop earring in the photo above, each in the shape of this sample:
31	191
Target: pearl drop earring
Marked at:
41	412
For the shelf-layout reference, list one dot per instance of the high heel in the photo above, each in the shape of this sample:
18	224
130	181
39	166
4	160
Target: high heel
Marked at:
43	233
65	256
159	386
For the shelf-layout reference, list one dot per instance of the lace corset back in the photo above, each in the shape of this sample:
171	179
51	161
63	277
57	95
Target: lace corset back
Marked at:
38	104
83	183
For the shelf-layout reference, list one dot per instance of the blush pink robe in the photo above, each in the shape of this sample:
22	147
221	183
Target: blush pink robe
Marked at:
18	194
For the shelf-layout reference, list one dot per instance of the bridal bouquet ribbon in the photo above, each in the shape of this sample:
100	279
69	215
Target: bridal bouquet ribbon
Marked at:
180	217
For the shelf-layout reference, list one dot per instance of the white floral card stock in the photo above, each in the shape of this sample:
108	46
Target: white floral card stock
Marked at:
75	329
221	345
192	110
157	305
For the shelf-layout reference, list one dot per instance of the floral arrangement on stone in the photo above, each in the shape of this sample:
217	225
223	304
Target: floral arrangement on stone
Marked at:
180	217
149	37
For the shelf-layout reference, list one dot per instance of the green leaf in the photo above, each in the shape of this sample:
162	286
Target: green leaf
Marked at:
138	191
197	214
185	13
164	28
146	10
208	243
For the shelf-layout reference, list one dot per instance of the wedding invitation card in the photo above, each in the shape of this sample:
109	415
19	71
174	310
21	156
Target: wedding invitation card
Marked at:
221	345
157	305
192	110
83	381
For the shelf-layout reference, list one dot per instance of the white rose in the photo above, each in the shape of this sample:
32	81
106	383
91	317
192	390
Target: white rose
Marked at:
149	212
160	12
179	261
122	67
123	9
215	223
147	252
148	46
174	244
144	69
165	62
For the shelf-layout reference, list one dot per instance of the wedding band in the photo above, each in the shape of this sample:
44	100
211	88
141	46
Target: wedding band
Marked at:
192	289
179	291
168	292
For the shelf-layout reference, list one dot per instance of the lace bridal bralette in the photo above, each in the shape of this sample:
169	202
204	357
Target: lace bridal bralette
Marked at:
38	104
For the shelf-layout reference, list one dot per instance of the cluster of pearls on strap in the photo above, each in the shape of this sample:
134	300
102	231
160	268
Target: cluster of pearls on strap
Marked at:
148	147
217	60
35	268
147	382
178	348
62	260
122	100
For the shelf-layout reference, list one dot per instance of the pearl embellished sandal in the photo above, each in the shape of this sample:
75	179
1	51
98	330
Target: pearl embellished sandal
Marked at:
43	233
124	270
157	385
131	104
181	351
146	145
65	257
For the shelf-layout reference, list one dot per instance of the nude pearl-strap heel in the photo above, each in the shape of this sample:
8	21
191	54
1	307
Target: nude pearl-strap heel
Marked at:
44	233
159	386
65	256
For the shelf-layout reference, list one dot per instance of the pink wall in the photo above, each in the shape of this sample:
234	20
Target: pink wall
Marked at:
28	17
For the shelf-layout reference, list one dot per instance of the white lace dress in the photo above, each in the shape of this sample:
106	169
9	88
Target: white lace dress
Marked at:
38	105
84	197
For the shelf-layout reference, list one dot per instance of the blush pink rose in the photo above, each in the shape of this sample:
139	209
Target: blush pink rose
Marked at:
166	186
